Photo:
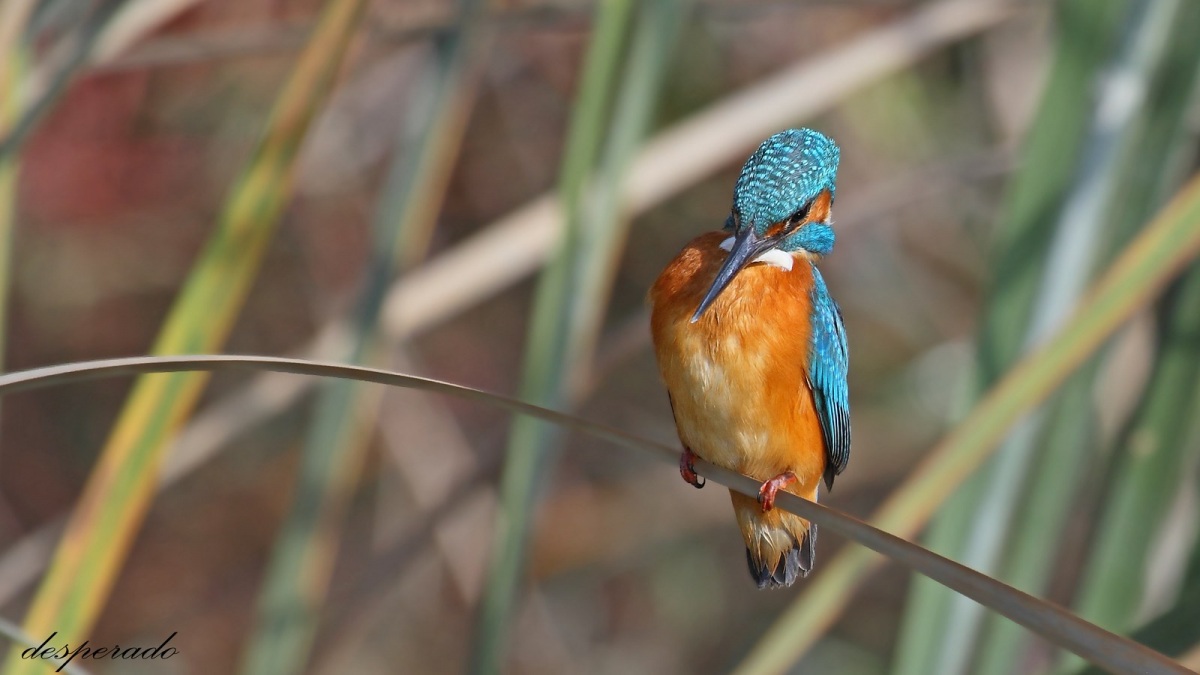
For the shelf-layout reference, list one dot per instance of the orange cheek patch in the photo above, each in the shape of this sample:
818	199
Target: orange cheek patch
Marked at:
819	211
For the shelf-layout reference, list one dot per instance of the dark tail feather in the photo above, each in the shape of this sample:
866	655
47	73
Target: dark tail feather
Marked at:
794	564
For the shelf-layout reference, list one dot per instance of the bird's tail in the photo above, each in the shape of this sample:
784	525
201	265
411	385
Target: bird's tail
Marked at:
779	545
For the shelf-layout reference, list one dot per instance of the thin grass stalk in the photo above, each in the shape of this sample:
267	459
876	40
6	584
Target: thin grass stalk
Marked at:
1157	137
1085	31
119	491
336	447
550	349
1117	654
1137	276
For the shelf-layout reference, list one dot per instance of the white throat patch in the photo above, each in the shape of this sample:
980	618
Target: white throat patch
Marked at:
771	256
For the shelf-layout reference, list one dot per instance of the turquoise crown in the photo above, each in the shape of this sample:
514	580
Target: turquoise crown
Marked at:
783	175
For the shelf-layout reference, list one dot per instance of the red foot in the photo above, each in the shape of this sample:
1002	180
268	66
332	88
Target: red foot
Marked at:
687	470
766	493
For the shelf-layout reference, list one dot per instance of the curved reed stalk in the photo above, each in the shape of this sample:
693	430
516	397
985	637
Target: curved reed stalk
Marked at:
1107	650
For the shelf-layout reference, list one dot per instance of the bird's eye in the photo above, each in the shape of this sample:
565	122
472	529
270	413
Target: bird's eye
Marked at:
797	219
799	216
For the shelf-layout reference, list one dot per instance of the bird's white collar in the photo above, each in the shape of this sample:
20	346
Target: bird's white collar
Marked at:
771	256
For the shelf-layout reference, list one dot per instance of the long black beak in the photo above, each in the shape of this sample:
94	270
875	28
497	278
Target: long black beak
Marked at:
746	246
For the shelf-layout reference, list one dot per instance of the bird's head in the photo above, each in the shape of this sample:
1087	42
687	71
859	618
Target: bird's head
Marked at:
781	205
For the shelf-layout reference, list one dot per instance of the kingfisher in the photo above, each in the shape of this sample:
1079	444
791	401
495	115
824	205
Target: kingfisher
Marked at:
753	350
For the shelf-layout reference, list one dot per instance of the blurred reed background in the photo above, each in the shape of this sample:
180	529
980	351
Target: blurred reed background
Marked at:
483	192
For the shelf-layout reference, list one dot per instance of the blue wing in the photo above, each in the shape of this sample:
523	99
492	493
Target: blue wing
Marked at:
828	363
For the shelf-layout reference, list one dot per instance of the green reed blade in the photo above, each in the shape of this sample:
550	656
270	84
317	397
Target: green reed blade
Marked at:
573	291
336	446
13	68
1024	476
938	628
547	346
1155	141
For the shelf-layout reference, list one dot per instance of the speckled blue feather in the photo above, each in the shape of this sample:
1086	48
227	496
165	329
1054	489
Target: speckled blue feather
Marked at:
828	366
785	173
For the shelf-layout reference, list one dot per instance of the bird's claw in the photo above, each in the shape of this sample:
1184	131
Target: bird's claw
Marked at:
688	471
766	493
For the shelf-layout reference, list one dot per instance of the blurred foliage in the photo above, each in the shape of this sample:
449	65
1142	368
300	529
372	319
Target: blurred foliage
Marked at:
337	444
1010	519
118	495
12	75
125	172
619	89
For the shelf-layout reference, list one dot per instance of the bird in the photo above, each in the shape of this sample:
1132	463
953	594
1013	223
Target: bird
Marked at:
753	349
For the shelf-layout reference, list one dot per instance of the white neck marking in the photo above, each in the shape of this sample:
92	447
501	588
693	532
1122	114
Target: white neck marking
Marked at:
771	256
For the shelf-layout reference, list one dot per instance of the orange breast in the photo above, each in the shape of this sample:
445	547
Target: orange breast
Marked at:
737	376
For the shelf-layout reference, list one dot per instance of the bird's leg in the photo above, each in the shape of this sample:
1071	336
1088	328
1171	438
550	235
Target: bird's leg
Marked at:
687	470
766	493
